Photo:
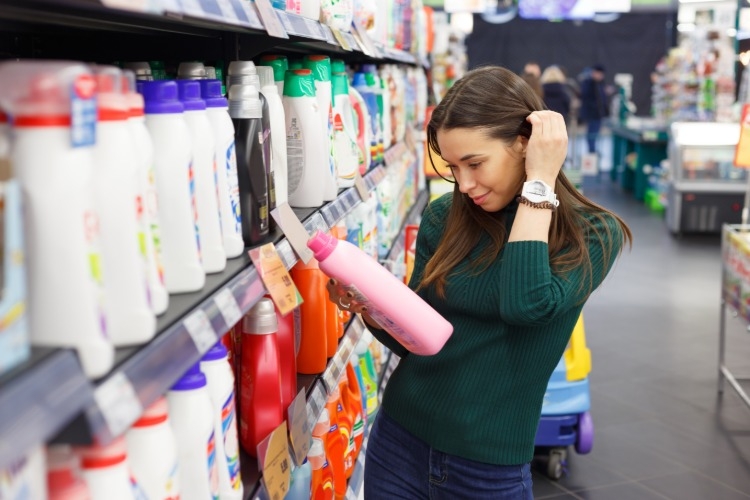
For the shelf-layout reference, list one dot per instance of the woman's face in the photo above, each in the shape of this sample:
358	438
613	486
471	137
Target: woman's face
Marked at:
489	171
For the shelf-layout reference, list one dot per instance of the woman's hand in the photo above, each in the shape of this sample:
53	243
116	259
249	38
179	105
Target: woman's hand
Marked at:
346	302
547	147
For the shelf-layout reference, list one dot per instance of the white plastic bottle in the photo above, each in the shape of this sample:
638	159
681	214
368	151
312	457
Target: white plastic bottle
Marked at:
192	418
65	286
183	270
106	472
321	72
204	176
152	453
130	318
25	477
311	9
148	202
305	140
220	379
278	133
348	155
227	181
64	477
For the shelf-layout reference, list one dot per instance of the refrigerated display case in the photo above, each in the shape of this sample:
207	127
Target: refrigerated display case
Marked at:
706	189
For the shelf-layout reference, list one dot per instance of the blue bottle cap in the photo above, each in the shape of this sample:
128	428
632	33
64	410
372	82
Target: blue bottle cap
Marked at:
190	95
161	97
192	379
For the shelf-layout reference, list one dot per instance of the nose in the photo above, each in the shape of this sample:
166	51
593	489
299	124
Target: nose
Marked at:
465	180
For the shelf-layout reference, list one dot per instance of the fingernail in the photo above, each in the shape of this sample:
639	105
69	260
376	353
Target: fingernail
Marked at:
364	309
349	295
331	281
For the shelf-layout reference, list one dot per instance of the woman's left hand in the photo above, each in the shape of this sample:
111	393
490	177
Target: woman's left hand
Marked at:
547	147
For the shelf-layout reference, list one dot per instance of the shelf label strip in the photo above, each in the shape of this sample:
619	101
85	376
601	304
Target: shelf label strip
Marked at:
118	403
228	307
200	330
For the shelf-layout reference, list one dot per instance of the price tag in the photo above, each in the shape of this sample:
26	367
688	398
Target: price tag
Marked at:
328	34
361	186
227	11
227	304
134	5
314	29
365	41
273	455
301	430
271	19
192	8
252	14
276	278
341	39
294	231
118	403
650	135
200	330
315	404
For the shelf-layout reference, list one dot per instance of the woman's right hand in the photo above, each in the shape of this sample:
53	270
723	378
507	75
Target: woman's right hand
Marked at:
345	301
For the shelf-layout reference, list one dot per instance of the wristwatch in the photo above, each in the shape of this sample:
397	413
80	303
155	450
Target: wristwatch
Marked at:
537	191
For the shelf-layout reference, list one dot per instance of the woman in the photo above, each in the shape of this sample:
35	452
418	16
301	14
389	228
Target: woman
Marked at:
555	89
510	264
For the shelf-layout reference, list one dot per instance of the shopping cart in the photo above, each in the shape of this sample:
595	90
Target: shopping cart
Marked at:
566	420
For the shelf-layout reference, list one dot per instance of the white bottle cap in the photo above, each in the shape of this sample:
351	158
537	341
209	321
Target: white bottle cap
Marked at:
141	69
191	71
323	425
244	102
317	454
111	102
267	83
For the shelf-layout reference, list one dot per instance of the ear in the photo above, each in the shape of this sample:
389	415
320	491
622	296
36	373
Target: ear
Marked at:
520	145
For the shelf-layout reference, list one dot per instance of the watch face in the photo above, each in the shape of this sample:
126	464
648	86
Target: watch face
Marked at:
537	188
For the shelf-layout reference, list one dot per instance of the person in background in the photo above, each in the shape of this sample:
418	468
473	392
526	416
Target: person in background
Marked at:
532	73
556	94
594	106
509	259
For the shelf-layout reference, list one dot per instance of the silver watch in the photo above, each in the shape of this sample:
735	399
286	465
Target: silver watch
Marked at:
537	191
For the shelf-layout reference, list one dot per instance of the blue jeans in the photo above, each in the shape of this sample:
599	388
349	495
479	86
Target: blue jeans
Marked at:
592	132
401	466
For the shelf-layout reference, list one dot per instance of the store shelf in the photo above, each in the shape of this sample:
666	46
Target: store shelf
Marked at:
415	212
37	398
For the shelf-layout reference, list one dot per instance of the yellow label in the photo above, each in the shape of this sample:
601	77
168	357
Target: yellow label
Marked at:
276	465
275	276
341	39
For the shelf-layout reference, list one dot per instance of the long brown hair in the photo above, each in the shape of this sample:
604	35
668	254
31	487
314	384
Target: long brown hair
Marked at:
497	101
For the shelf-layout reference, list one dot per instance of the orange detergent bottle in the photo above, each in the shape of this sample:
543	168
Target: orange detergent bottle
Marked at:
336	446
322	475
346	425
354	397
313	351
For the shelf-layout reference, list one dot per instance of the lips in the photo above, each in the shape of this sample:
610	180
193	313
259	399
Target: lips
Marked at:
479	199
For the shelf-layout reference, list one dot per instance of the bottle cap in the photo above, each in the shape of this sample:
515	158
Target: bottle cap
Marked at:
215	353
317	454
192	379
369	68
191	71
299	83
320	67
161	97
359	80
340	84
296	64
279	64
154	414
111	103
132	96
267	83
244	102
322	245
338	66
141	69
190	95
261	319
323	425
237	68
211	93
211	73
98	457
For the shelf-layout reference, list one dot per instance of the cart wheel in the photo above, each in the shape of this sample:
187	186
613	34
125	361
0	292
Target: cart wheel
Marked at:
555	465
585	438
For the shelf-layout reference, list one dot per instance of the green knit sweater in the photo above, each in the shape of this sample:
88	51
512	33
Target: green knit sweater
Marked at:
481	396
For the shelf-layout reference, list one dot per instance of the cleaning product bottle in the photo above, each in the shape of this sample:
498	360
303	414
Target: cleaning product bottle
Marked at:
332	320
359	82
147	203
375	85
369	374
353	398
278	133
245	108
355	362
152	453
64	477
336	445
25	476
261	408
56	179
173	156
363	126
385	96
311	9
321	72
305	140
300	487
400	311
346	426
220	379
348	156
313	350
191	415
321	484
126	294
107	473
287	336
280	65
245	72
204	176
227	181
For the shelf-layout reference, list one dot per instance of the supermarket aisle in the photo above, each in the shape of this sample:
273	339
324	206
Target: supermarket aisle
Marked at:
661	430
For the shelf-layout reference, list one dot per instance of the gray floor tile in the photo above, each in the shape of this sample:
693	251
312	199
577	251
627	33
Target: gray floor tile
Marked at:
691	486
626	491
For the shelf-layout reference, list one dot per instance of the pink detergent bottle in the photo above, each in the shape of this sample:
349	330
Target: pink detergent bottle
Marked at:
400	311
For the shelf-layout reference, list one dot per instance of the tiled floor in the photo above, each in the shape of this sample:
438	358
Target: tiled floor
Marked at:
661	430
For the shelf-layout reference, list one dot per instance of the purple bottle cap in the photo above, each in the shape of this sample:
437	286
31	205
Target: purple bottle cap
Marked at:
322	245
215	353
161	97
190	95
211	93
192	379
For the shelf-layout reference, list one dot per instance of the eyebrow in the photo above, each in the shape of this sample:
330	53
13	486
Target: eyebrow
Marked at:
470	156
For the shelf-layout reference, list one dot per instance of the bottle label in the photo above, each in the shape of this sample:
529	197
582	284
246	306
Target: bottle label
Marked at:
295	155
91	233
331	154
359	426
152	216
234	187
231	443
138	493
140	214
194	206
83	111
215	170
213	473
264	140
386	322
171	486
